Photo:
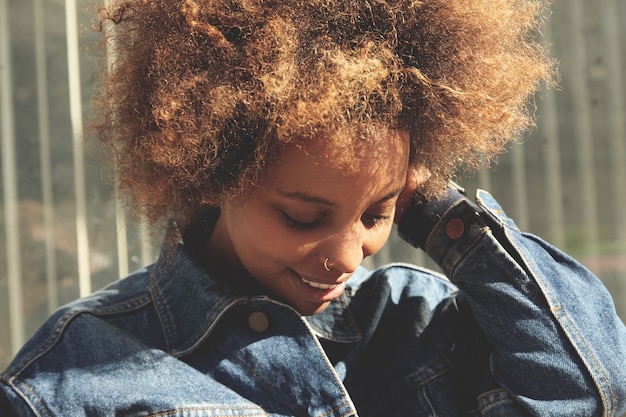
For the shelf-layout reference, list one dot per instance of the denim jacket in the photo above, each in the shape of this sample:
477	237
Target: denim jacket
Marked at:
516	329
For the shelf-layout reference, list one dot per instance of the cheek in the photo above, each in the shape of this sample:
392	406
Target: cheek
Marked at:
262	239
377	241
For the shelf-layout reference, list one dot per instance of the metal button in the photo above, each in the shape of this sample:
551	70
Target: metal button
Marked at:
455	228
258	321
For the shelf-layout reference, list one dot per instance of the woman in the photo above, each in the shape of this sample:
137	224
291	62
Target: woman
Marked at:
280	141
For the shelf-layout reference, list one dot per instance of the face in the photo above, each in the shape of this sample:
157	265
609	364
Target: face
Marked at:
308	209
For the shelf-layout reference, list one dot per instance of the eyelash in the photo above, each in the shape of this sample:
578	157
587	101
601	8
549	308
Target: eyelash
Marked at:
374	220
370	221
295	224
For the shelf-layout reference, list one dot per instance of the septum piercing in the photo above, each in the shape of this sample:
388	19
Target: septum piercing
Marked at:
326	267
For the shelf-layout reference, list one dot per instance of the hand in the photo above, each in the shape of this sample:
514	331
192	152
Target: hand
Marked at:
415	178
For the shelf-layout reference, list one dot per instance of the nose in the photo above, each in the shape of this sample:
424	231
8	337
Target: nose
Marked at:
347	249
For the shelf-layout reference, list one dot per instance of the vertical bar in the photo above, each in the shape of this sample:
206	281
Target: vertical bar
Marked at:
122	238
9	178
554	181
582	121
120	215
520	192
617	131
45	155
616	114
76	114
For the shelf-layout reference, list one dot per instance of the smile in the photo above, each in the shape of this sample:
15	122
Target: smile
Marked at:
318	284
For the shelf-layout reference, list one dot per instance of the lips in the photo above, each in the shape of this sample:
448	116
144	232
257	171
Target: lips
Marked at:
310	296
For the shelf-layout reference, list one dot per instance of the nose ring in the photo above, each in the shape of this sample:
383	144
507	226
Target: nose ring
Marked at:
326	267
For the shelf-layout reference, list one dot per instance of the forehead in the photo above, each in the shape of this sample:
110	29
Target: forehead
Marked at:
351	151
379	162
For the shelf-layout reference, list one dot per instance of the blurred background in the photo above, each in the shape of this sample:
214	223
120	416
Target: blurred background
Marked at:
62	235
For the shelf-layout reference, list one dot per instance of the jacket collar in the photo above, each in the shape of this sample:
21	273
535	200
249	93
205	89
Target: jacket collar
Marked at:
190	297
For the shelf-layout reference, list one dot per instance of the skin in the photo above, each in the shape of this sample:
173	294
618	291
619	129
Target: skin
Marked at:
309	208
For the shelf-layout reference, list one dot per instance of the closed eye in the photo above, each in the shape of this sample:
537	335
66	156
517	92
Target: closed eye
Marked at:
299	225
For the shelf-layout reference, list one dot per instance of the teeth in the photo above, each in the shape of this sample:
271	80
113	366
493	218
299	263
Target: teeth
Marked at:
319	285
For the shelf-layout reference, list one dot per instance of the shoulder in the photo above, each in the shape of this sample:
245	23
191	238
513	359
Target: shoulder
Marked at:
402	280
89	314
393	296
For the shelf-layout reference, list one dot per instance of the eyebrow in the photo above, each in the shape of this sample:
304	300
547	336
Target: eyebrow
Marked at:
300	196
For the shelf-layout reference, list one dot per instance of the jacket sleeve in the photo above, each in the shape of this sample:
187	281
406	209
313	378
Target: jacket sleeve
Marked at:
559	346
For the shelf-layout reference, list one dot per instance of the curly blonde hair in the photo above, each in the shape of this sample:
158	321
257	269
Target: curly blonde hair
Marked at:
201	96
